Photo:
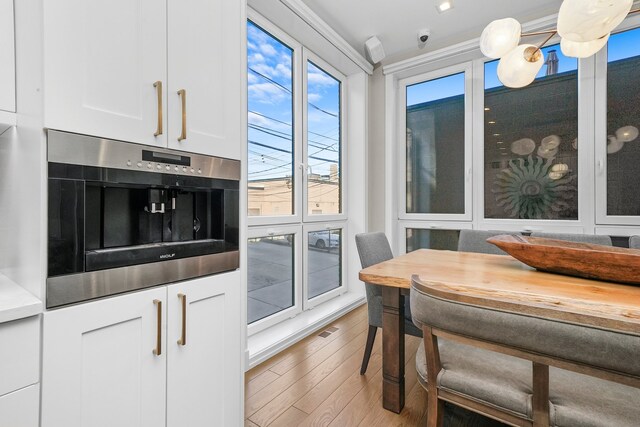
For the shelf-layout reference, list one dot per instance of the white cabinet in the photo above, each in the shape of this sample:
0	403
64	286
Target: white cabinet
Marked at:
114	68
20	408
205	60
204	375
100	369
102	59
20	372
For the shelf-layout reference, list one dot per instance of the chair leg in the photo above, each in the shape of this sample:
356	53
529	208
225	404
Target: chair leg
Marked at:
371	336
435	408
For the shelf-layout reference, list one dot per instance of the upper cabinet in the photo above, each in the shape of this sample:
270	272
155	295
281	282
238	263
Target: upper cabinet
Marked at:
158	72
205	76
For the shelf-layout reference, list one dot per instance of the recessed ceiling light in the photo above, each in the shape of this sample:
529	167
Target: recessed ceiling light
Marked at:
444	5
496	134
500	142
501	148
487	109
492	122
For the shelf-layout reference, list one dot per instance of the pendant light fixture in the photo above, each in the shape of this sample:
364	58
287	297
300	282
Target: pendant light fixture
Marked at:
583	25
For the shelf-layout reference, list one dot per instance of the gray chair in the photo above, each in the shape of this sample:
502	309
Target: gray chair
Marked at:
374	248
578	238
482	358
476	241
634	242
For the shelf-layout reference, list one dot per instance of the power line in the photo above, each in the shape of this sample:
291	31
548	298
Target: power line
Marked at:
289	91
289	124
288	151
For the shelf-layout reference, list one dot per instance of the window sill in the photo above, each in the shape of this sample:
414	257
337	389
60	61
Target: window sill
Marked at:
273	340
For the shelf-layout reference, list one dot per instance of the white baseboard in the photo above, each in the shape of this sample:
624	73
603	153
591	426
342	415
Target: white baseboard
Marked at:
265	344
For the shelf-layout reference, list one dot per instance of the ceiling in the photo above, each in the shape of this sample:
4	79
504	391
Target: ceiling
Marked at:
397	22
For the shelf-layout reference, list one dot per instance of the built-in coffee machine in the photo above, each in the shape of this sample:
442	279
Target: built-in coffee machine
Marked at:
124	216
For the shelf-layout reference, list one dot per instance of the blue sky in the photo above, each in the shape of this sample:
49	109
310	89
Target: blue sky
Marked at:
621	45
270	116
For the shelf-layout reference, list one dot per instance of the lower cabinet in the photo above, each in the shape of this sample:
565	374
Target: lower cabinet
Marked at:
167	356
20	408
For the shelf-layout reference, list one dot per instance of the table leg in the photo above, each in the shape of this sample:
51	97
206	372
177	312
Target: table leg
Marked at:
392	349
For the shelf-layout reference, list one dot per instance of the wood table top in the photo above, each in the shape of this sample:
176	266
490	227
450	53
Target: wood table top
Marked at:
502	282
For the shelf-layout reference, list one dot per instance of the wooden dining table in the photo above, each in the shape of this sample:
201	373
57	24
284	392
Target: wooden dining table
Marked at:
493	281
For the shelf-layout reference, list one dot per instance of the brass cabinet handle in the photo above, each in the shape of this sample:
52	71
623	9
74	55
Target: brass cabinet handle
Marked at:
183	338
158	86
183	95
158	350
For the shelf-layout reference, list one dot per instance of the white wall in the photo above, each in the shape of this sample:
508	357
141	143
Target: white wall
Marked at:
375	152
23	160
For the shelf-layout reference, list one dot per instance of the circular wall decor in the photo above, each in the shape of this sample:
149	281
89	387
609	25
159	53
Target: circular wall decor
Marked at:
527	191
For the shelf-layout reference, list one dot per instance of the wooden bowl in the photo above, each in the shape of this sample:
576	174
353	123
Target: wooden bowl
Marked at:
574	259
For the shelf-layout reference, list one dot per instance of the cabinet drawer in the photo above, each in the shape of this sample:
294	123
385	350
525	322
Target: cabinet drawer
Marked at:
19	353
21	408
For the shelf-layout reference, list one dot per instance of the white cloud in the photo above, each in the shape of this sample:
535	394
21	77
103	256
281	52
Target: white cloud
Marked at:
314	97
256	119
283	70
266	93
321	79
256	57
267	49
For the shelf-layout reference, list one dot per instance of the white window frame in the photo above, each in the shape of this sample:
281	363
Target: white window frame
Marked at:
467	69
585	160
426	225
301	222
298	125
602	217
287	313
343	288
307	56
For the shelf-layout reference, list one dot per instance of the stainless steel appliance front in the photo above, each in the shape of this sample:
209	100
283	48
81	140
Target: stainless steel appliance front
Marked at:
124	217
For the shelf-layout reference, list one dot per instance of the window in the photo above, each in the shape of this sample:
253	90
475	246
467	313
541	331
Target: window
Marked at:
531	143
417	238
323	142
271	124
623	122
436	146
295	178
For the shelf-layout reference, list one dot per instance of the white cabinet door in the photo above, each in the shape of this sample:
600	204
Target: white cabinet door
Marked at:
205	60
21	408
7	53
99	368
102	58
204	376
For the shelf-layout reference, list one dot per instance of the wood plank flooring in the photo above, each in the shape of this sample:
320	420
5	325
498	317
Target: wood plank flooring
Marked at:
317	382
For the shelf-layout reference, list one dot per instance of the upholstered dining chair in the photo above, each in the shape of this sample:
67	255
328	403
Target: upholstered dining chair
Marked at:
374	248
634	242
578	238
522	369
476	241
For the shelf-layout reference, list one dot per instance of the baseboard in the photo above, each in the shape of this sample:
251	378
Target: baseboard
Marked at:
271	341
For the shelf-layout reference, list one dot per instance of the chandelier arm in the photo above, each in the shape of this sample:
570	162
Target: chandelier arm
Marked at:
634	11
535	52
539	33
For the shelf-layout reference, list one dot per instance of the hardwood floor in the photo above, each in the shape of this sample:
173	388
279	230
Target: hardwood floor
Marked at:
317	382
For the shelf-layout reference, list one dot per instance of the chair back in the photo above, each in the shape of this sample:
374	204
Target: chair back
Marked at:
578	238
634	242
373	248
583	345
476	241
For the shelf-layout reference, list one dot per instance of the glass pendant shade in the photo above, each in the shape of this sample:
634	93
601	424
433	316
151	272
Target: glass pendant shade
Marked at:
500	37
518	68
627	133
582	49
523	147
588	20
550	142
613	144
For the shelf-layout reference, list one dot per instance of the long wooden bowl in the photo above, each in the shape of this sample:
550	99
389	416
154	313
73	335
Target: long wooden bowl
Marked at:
574	259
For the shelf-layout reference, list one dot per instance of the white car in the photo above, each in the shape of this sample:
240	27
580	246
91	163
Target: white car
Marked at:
324	239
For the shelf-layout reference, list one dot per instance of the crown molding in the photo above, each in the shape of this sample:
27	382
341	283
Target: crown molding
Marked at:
462	48
308	16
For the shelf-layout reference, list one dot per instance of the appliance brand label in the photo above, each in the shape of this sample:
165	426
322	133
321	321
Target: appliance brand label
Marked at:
167	256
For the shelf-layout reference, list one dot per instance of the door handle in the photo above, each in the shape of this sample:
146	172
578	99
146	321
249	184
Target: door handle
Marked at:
183	338
158	350
158	86
183	95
